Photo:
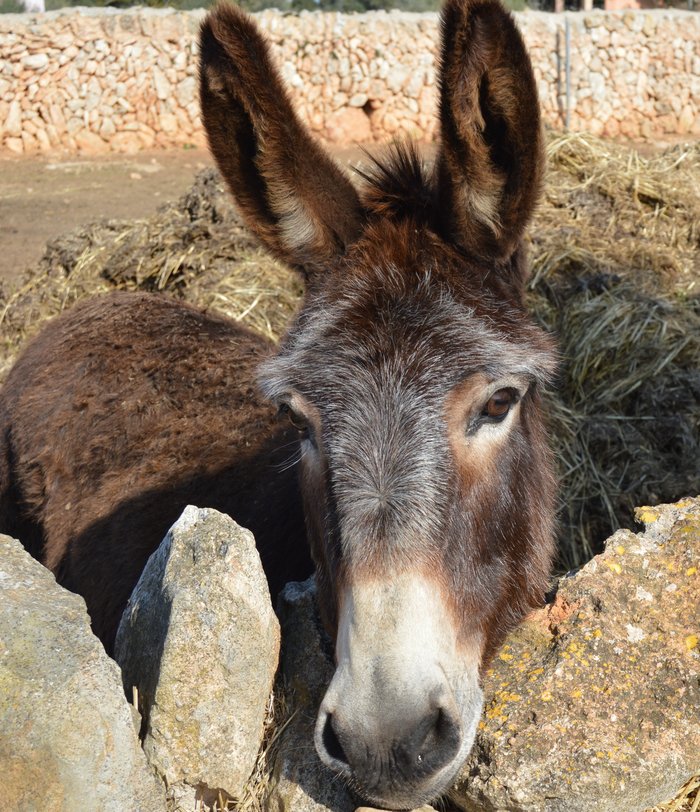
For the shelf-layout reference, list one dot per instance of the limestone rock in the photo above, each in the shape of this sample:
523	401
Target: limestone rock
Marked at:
200	642
127	142
13	122
67	740
35	61
300	782
349	125
90	143
355	61
594	703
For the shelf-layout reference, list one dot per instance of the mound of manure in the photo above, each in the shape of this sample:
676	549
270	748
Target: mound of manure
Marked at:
615	274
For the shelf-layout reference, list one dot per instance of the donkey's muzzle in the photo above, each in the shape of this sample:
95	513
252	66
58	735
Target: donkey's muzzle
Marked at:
400	714
395	767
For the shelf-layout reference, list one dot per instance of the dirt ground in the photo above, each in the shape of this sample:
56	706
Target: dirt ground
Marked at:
42	198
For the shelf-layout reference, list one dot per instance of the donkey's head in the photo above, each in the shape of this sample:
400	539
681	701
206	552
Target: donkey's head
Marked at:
412	373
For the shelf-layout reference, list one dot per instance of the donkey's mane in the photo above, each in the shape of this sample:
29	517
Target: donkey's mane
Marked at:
398	184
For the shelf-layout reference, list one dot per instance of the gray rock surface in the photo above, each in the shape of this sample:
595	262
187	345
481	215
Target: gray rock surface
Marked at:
200	641
593	705
67	740
300	782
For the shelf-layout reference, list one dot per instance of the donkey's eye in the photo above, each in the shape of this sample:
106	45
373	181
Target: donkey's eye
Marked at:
499	404
298	421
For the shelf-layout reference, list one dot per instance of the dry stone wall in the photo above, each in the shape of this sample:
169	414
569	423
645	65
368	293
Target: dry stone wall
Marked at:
99	80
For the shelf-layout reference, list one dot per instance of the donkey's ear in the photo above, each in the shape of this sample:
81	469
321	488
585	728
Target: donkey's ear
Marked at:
491	159
292	195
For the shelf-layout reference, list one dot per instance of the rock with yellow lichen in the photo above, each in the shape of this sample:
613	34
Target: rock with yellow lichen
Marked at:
593	705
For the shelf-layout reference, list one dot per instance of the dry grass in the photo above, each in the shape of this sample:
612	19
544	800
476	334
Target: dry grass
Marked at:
637	215
687	800
616	274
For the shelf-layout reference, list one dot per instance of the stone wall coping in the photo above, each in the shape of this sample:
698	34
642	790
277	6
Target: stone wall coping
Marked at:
94	80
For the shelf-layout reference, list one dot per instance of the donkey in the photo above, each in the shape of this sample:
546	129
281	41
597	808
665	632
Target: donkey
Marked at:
408	385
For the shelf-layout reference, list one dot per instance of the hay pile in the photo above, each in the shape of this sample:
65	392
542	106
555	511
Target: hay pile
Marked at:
616	274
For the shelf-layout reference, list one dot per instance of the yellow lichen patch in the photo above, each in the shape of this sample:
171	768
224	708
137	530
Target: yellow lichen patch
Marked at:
495	713
691	571
505	656
691	642
597	633
496	708
577	694
546	696
613	566
646	515
503	697
620	550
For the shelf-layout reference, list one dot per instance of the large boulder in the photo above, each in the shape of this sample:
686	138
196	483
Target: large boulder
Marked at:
594	703
67	738
300	782
200	643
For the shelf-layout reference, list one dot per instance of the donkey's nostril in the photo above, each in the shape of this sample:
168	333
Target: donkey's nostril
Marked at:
331	742
433	743
446	728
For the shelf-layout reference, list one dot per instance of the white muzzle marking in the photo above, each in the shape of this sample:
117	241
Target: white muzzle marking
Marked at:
401	712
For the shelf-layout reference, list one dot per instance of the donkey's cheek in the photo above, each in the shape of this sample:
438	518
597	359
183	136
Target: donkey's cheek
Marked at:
312	475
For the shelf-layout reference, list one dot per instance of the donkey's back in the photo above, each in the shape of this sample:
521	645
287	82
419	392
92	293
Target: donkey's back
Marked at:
119	414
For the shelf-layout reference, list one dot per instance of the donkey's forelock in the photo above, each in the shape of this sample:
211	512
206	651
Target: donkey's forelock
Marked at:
408	324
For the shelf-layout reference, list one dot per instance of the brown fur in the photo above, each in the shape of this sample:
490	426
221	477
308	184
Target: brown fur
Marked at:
271	161
490	125
119	414
125	410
